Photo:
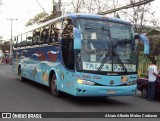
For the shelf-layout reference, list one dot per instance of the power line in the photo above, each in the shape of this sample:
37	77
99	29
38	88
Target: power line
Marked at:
41	7
126	6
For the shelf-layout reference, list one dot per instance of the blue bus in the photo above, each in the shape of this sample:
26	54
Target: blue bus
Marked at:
80	54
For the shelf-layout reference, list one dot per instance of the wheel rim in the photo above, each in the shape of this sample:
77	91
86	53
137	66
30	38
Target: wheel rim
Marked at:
53	84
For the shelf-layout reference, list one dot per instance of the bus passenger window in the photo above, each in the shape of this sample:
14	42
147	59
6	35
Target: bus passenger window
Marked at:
44	35
15	42
23	42
36	37
55	31
52	37
19	41
29	39
56	35
51	34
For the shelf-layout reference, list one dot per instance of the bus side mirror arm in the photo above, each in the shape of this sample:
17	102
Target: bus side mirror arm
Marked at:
145	42
77	38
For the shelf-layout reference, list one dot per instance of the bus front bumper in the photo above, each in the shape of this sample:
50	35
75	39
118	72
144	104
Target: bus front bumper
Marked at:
85	90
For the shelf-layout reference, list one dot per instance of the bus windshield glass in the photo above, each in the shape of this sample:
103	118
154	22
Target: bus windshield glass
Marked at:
106	46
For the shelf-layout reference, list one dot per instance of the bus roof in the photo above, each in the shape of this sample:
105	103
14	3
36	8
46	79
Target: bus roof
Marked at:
100	17
81	15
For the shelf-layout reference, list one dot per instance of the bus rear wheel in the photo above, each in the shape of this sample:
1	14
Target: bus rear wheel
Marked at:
54	90
20	75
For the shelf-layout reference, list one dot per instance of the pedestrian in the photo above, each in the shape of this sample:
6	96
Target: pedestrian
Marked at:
152	72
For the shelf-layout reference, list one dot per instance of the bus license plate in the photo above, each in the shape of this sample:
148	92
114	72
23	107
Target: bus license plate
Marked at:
111	92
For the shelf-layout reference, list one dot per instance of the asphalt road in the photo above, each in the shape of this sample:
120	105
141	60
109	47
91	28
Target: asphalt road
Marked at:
28	96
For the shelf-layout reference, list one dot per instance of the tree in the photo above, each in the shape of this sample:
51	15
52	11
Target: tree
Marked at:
75	6
5	46
139	16
39	18
89	6
43	16
78	5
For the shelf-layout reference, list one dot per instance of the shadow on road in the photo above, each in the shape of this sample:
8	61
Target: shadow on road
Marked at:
97	101
88	101
138	95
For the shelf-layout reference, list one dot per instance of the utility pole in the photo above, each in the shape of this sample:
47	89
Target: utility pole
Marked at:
56	9
53	7
10	52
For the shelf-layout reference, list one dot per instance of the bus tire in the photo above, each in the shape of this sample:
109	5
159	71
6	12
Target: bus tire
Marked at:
54	90
20	74
144	92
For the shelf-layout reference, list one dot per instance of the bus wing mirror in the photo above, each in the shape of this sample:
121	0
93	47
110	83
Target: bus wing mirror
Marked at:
77	38
145	42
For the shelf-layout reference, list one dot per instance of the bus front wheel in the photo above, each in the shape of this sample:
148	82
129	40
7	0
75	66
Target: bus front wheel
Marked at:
54	90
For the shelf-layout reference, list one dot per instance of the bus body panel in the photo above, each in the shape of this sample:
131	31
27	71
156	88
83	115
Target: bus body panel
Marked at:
85	90
36	70
40	61
35	62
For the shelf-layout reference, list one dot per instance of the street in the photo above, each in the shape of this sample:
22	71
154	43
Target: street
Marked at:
28	96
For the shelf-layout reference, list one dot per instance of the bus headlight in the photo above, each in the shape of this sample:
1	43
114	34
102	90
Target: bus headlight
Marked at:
85	82
132	82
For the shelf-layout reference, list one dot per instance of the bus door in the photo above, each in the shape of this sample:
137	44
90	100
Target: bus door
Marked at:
68	53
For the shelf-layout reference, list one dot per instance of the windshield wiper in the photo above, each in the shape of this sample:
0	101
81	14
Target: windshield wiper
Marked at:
105	59
119	60
108	56
123	42
104	29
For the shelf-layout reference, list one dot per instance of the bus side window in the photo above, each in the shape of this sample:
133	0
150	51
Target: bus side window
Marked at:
44	35
36	37
29	39
50	31
19	41
67	44
15	42
55	31
23	42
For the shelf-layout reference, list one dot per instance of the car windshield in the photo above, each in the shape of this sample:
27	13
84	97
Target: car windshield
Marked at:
106	46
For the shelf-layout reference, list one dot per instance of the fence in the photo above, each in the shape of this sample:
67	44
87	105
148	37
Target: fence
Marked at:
143	64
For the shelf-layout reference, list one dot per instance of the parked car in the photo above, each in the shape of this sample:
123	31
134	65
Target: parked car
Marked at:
142	85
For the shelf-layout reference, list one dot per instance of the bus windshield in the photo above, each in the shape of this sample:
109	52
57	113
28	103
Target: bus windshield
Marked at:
106	46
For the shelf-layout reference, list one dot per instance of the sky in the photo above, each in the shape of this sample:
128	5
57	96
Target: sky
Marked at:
23	10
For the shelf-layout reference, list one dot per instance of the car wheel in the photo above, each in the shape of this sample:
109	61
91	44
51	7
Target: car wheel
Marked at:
144	92
54	90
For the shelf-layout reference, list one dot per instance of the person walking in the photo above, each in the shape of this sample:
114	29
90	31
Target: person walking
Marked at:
152	72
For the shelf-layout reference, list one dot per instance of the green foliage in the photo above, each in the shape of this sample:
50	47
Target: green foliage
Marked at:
144	75
37	19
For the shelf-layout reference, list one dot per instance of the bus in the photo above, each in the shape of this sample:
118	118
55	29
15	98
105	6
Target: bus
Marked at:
55	54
